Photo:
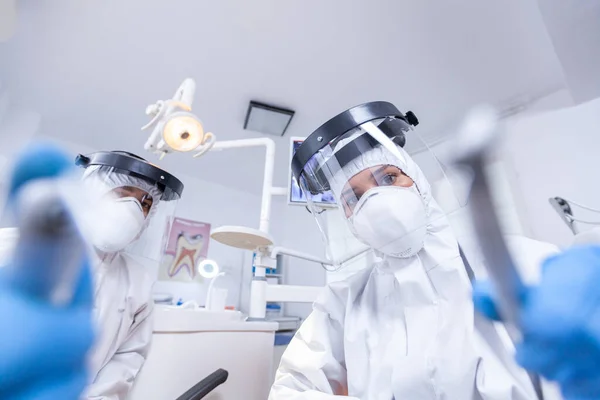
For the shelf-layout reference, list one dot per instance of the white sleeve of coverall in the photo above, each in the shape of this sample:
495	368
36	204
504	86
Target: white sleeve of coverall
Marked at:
115	379
313	365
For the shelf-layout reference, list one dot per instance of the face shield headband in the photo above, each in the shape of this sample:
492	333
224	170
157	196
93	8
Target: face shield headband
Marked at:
390	132
137	167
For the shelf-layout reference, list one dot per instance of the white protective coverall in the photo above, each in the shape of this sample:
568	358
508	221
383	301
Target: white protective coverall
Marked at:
404	328
123	310
123	305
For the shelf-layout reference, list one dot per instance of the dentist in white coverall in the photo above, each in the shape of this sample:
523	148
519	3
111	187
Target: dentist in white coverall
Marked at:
138	193
405	327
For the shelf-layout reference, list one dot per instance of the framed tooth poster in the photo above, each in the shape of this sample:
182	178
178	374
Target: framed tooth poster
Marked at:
187	246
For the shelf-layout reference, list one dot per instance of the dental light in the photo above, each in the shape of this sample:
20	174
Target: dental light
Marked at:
175	127
209	269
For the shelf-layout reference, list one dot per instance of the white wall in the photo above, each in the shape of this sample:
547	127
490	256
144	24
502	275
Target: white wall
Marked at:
17	127
510	148
555	153
559	99
294	227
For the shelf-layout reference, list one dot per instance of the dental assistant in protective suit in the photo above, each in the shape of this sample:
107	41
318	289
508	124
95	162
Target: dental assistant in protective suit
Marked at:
126	195
404	328
139	194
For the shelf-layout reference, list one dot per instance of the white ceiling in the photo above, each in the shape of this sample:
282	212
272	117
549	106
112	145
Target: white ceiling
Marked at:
90	67
574	27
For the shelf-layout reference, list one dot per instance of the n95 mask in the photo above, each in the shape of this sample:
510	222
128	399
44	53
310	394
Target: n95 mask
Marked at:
391	220
121	223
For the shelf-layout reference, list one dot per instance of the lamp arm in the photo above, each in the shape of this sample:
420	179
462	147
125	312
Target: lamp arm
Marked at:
185	92
275	251
210	289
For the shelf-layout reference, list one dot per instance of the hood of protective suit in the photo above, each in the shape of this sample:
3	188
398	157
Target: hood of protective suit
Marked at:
120	222
104	179
439	243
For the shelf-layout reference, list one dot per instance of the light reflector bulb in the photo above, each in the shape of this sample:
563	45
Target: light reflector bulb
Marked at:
183	132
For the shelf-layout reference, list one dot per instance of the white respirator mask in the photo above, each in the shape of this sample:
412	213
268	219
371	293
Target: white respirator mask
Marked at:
391	220
121	223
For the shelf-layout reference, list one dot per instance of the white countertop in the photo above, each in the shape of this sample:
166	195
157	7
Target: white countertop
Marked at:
172	320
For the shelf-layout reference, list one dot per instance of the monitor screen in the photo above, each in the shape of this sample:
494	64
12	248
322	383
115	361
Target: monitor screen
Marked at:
296	195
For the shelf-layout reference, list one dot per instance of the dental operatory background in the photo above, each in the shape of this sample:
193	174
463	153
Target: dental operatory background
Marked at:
88	75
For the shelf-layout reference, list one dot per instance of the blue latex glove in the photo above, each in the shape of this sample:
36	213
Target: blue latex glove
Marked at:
560	322
43	348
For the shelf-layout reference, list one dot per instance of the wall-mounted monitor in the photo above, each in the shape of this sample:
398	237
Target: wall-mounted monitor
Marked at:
295	194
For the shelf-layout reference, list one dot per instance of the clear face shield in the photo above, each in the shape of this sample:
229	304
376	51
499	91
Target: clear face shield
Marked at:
363	157
133	204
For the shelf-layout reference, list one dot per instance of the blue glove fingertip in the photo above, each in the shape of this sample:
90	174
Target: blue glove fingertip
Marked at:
483	300
39	160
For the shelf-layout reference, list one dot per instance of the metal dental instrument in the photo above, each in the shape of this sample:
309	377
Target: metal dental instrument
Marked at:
473	145
565	212
47	260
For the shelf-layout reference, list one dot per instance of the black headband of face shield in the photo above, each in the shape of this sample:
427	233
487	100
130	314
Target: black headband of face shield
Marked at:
340	125
393	128
136	166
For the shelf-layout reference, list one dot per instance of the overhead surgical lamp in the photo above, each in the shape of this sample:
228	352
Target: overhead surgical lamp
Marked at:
175	127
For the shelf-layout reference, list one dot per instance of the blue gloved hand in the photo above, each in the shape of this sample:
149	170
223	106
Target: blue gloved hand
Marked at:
560	322
43	348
